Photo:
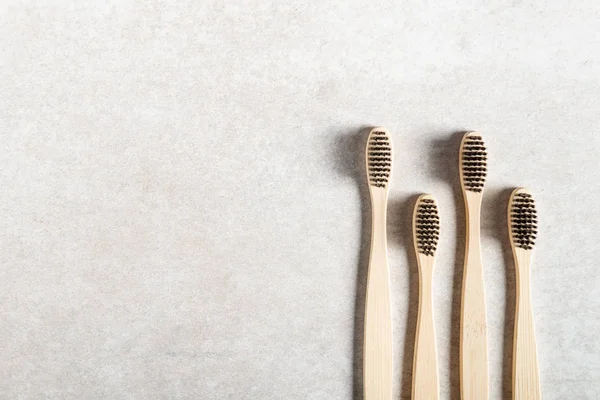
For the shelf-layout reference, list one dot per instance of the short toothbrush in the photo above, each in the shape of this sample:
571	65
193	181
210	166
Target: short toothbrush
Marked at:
377	352
473	330
426	230
522	220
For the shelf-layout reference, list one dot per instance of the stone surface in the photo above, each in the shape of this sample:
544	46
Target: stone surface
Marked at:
184	212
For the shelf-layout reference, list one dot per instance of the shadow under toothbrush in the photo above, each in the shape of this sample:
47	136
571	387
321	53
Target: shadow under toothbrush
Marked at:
350	158
350	154
498	229
443	163
401	212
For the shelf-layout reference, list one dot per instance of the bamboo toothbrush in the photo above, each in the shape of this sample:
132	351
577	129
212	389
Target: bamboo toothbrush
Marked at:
377	366
522	219
426	229
473	340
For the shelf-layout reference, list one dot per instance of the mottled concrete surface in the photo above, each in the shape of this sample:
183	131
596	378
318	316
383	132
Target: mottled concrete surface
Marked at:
183	212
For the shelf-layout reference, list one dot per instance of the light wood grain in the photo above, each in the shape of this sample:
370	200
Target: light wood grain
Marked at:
425	369
377	353
526	380
473	326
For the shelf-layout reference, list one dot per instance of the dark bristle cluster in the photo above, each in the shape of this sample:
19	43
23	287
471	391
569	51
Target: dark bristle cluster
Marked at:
523	220
474	163
427	227
379	154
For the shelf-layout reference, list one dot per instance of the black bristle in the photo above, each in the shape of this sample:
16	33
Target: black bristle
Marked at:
427	226
379	159
474	163
523	221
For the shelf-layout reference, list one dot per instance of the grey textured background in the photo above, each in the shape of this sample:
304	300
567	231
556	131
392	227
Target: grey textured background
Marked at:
183	213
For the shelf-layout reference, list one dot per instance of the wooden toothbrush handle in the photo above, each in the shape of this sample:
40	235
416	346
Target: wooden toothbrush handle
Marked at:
473	336
377	351
378	336
425	376
526	379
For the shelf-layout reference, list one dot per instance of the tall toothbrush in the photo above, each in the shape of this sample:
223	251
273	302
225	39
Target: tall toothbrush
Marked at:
473	330
377	366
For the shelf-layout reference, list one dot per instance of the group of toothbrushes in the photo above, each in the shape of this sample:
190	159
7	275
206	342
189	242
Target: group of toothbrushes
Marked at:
522	222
